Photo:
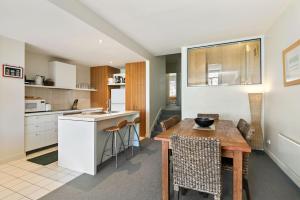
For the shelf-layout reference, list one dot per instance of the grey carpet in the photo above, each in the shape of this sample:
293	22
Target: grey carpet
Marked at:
139	178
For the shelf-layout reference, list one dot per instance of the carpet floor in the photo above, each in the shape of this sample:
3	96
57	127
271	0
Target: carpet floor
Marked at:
139	178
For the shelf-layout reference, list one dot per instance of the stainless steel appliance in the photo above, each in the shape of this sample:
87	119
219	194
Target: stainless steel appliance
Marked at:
35	105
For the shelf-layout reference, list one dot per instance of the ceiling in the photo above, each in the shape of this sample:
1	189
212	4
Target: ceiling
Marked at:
163	26
50	30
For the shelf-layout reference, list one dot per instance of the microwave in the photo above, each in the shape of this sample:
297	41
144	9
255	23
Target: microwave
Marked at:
35	105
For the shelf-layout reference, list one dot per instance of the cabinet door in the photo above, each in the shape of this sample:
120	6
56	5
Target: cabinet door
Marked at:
32	137
136	91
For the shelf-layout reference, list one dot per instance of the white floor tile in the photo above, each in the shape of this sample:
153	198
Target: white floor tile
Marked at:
24	198
1	188
66	179
28	190
20	186
4	166
4	193
12	183
6	178
24	180
54	185
44	182
38	194
14	196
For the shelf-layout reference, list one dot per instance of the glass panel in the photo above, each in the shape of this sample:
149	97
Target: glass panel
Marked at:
225	64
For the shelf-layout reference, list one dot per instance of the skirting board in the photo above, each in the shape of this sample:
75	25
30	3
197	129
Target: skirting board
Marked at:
155	120
284	168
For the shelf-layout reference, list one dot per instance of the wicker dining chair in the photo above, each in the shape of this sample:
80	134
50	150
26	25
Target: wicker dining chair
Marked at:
196	165
215	116
227	163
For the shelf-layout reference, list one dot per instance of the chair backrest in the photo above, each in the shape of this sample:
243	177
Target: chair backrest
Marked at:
197	163
245	129
122	124
176	119
168	123
137	120
247	132
208	115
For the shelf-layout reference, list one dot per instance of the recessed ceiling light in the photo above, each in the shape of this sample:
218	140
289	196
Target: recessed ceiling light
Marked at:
100	41
110	62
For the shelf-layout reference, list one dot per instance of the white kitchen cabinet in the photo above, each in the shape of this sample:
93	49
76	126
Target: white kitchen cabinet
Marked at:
63	74
40	131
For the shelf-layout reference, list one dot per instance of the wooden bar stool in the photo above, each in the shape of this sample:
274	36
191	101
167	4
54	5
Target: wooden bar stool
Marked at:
131	125
114	132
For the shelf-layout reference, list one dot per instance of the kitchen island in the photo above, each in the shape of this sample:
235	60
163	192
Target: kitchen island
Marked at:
81	138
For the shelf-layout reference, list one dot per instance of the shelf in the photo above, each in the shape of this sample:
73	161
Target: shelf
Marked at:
116	84
53	87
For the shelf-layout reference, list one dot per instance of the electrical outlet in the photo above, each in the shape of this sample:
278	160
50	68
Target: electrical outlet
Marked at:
268	141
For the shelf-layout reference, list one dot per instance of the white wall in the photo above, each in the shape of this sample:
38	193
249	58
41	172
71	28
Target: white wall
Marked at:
11	102
231	102
282	110
156	86
37	64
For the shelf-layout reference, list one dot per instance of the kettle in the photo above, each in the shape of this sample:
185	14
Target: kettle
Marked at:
39	80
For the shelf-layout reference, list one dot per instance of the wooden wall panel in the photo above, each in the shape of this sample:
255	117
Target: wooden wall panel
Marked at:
136	91
99	77
197	67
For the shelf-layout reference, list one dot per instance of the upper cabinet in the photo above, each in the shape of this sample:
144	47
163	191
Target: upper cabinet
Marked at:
99	80
63	74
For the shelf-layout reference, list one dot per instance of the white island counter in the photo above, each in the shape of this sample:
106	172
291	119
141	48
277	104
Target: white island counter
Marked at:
81	139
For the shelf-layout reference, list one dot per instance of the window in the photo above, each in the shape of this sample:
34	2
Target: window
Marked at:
172	85
237	63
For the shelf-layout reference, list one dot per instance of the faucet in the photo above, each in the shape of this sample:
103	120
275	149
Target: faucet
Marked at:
109	105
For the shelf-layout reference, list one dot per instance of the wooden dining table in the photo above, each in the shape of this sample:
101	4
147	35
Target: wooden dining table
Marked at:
232	143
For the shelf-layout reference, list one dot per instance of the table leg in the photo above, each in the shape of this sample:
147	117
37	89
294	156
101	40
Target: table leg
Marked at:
165	170
237	175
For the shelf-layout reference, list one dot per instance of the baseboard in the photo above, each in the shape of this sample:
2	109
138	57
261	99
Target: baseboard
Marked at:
155	120
290	173
12	158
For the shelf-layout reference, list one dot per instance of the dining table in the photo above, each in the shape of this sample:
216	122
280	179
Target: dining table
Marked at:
233	146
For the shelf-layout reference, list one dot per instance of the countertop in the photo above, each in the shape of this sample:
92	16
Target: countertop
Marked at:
96	117
63	112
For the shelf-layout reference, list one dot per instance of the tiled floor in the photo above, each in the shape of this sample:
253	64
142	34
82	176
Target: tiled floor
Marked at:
23	180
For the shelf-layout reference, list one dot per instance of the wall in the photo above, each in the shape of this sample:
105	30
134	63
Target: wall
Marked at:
37	64
11	102
155	89
59	99
282	110
173	65
231	102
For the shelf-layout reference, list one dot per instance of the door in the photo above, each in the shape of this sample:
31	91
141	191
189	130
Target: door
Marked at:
136	91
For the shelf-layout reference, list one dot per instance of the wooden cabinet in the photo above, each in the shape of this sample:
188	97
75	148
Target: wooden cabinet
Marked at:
99	77
136	91
40	131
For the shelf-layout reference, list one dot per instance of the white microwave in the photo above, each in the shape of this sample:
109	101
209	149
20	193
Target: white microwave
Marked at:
35	105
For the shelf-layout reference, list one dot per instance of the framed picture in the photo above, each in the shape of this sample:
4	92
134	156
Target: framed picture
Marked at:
12	71
291	64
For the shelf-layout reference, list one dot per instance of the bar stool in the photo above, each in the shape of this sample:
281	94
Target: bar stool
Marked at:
131	125
114	132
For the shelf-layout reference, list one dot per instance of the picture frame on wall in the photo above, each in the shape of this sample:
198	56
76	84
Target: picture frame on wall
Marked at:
291	64
12	71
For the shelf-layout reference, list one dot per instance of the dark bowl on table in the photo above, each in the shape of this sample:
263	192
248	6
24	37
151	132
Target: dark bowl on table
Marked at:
204	121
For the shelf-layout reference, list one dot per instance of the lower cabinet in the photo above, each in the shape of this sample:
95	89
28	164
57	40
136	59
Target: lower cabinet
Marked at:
40	131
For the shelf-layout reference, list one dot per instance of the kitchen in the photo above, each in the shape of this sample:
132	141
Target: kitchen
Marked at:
56	88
